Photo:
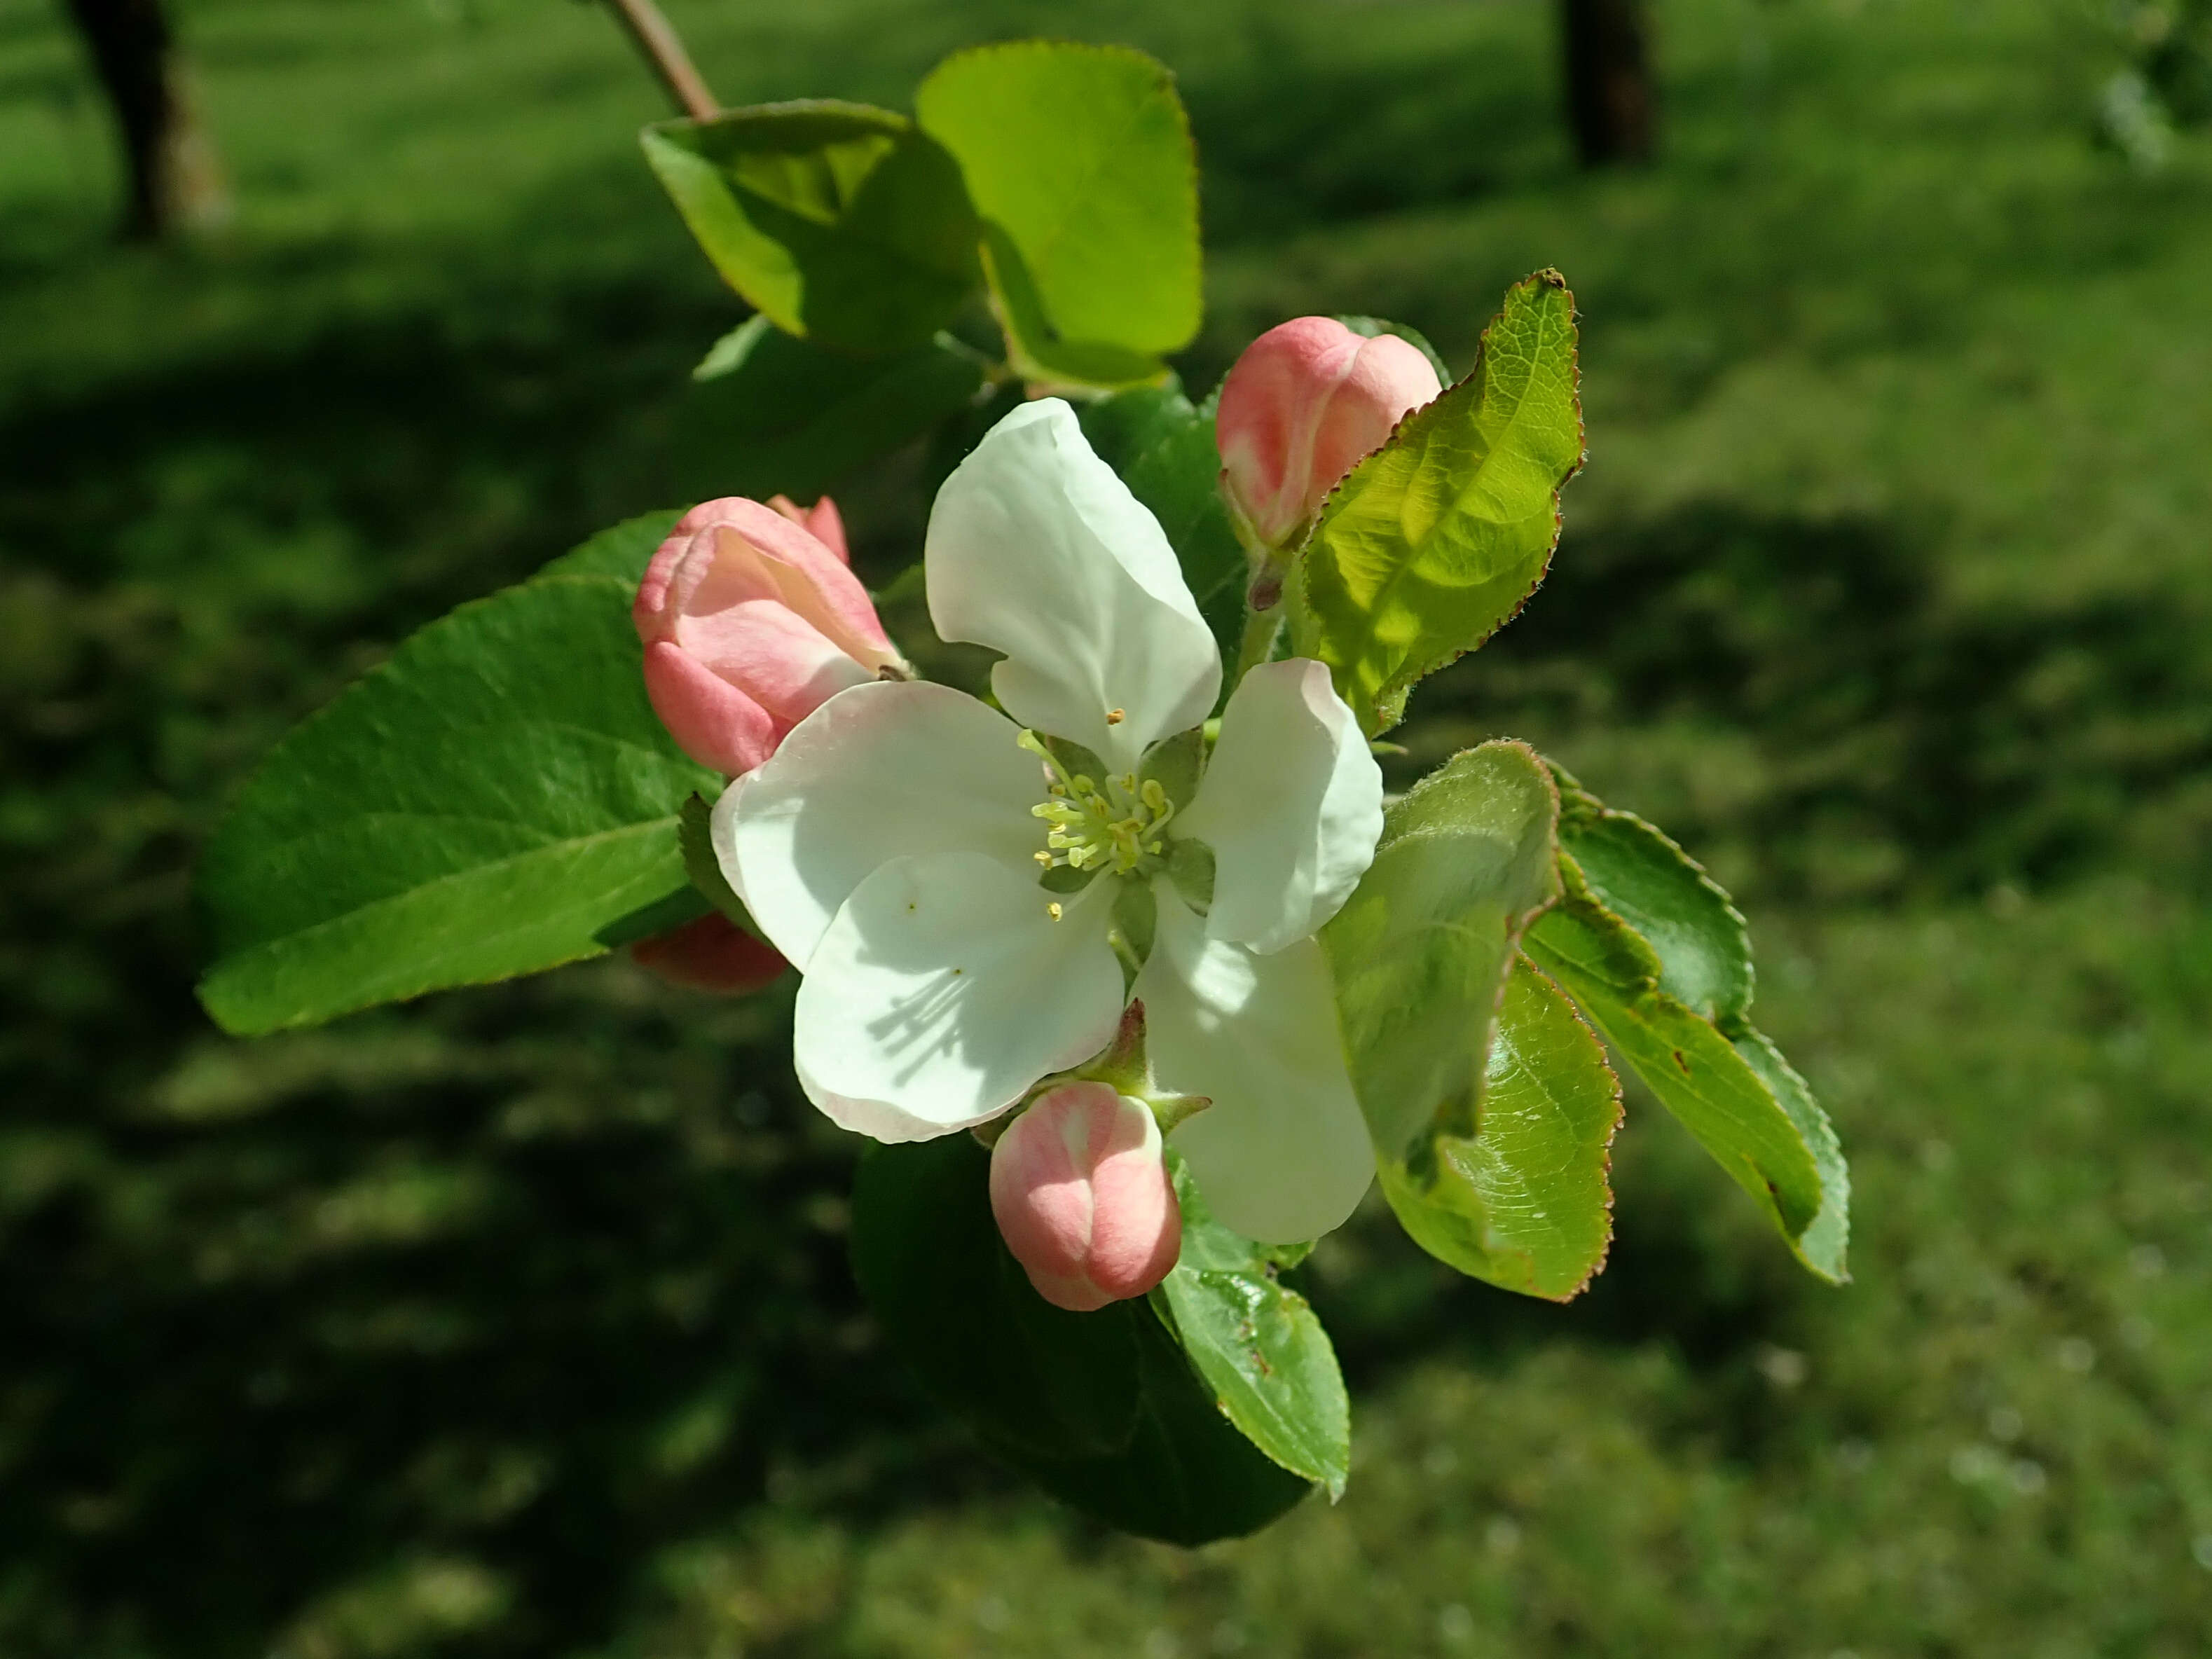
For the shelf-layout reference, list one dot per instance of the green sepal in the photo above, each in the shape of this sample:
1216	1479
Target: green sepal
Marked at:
839	222
1103	1410
1434	541
1079	162
1256	1344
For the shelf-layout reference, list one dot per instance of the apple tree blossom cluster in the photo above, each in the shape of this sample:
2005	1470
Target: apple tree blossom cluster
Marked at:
1068	854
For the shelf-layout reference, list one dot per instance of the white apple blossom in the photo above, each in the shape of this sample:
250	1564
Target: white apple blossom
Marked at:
963	897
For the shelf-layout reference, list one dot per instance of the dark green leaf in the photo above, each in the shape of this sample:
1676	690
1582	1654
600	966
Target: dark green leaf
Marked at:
621	551
694	837
1696	1073
1699	937
1433	541
1102	1409
479	806
1164	449
1524	1204
662	915
1662	935
1257	1345
782	416
1079	160
838	221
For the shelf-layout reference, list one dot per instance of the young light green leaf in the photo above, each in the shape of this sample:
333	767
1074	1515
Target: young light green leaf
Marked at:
1420	950
1102	1409
621	551
1163	448
479	806
1432	543
1256	1345
1491	1106
1524	1202
838	221
782	416
1079	160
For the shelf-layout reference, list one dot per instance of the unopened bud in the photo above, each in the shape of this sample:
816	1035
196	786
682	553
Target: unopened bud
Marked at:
1303	404
750	622
1083	1198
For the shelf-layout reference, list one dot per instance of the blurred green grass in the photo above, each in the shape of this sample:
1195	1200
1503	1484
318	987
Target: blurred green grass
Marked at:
518	1322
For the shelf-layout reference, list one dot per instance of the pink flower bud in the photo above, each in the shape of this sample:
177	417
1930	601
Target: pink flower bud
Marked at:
711	953
1303	404
750	623
822	521
1082	1198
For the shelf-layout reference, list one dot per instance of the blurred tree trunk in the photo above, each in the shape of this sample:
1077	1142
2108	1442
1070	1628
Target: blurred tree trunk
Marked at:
1610	102
175	180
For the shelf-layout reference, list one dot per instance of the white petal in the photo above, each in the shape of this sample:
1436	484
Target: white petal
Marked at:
1282	1154
1037	549
1291	805
945	988
886	771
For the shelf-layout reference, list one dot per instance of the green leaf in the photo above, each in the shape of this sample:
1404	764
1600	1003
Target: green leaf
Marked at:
1670	923
1432	543
838	221
782	416
1524	1203
1700	938
479	806
1368	327
1257	1345
1419	951
1491	1105
1079	160
1101	1409
621	551
661	916
1163	448
1697	1073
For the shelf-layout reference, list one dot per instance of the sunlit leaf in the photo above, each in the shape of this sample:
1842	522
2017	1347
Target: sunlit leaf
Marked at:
1079	159
1435	541
838	221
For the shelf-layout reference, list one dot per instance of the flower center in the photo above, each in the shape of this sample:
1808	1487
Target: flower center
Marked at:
1114	826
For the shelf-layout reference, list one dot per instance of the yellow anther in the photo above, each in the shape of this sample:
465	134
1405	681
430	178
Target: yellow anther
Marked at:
1115	716
1053	910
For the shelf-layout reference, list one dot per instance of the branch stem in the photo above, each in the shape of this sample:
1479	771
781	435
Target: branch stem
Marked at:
664	49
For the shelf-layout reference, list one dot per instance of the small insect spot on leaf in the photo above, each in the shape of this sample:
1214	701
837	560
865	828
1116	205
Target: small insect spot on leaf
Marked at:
1682	1060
